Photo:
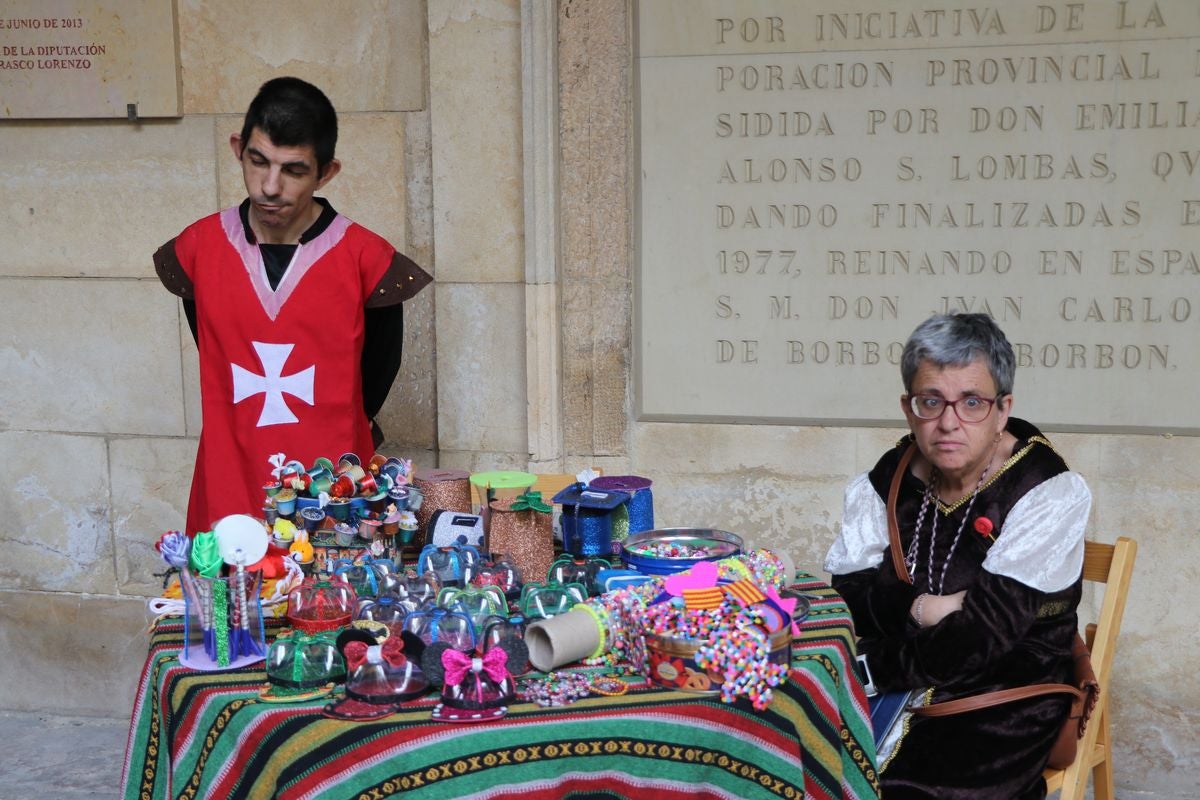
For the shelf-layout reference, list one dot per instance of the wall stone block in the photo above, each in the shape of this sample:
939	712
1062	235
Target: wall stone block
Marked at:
730	450
366	55
481	367
596	228
477	461
409	416
84	356
56	534
475	83
151	481
768	508
71	187
70	654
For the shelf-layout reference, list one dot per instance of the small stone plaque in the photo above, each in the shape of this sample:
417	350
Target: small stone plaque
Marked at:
92	59
817	178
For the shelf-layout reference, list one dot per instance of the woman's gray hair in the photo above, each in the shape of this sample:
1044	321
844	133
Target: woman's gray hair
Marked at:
956	340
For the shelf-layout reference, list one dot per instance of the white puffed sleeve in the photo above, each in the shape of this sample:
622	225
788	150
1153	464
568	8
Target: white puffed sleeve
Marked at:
1041	543
864	536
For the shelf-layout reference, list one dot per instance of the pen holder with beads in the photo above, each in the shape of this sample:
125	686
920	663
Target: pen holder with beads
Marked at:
223	626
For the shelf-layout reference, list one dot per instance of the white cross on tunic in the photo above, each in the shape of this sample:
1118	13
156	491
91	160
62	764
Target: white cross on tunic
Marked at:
273	383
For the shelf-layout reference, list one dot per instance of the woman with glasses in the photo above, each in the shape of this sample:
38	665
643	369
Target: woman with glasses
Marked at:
990	524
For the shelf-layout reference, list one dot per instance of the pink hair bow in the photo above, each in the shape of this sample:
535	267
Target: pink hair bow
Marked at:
457	664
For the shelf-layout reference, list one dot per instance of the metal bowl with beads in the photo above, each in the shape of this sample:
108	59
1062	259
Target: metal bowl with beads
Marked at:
665	551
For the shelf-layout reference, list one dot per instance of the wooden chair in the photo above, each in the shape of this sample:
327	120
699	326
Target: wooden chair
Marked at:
1111	564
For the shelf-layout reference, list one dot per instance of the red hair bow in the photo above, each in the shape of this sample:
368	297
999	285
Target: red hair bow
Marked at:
391	651
457	664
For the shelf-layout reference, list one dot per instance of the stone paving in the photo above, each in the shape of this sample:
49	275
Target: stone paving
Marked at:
67	758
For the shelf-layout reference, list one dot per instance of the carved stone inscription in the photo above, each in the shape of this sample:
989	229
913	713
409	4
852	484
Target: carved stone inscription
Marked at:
817	178
74	58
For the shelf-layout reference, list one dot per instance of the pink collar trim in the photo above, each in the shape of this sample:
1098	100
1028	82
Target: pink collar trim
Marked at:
306	255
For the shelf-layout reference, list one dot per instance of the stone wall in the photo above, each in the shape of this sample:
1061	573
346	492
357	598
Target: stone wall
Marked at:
520	354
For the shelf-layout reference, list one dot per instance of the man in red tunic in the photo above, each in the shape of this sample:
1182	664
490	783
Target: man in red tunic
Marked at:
296	310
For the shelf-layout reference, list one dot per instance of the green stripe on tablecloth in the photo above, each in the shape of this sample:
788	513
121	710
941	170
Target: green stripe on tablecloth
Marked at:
477	758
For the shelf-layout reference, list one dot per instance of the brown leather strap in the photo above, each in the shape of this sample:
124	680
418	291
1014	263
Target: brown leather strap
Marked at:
893	526
1083	675
989	699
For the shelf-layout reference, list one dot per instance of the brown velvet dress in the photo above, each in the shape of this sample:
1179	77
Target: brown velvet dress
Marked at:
1015	628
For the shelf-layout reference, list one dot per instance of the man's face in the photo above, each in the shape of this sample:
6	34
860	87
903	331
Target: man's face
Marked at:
280	182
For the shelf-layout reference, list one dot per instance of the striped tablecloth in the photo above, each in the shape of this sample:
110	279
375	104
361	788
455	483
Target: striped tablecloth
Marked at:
207	734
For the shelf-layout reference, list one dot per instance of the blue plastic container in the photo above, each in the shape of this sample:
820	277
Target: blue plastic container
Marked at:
646	552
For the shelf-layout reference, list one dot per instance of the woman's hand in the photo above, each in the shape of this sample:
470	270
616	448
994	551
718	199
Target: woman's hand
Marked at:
930	609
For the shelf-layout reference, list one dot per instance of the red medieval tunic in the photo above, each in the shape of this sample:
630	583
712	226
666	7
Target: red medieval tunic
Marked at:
280	369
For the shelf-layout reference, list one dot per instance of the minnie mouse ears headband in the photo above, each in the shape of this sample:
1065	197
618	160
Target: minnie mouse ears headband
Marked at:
432	660
390	652
477	688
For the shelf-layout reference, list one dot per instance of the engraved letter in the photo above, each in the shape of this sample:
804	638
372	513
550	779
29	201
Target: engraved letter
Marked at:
724	26
1191	212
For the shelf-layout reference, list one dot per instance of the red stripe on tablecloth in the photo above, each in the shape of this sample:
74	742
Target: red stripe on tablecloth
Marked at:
231	771
323	778
744	722
826	704
620	783
203	698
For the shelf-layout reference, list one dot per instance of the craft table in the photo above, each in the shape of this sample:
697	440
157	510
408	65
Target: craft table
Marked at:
208	735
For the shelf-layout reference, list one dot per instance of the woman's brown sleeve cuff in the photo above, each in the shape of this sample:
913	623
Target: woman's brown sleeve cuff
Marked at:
171	273
401	282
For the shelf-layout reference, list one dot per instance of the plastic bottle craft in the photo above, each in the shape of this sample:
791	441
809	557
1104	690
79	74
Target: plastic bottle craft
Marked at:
321	605
450	564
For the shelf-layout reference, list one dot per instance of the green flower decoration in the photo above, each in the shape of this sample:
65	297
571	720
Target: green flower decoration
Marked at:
530	501
206	555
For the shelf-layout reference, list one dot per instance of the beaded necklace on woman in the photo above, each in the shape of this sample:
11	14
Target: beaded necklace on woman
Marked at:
930	499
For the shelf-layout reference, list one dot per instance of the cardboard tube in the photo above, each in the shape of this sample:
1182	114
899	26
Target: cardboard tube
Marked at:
561	640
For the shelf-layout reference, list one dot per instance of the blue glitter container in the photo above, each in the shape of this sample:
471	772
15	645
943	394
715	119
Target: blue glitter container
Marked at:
587	519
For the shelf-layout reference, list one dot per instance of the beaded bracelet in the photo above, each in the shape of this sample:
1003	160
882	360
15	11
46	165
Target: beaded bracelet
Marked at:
733	569
600	616
609	686
556	689
918	610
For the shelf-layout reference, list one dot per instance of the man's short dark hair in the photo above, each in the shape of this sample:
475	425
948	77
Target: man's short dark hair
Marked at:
294	113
